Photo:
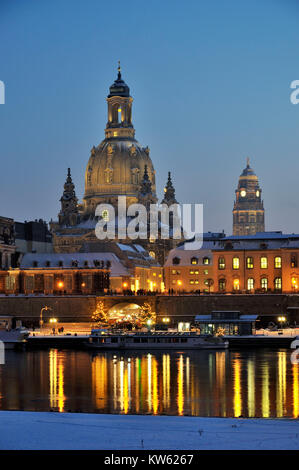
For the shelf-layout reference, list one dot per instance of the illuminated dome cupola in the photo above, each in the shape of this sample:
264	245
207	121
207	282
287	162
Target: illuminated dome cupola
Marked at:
119	110
116	166
248	211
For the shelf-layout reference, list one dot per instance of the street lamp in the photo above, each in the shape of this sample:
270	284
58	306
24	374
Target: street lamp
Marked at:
281	321
41	321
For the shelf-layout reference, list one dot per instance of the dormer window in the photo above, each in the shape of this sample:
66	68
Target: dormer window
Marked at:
86	264
48	263
194	260
35	264
176	260
60	263
206	260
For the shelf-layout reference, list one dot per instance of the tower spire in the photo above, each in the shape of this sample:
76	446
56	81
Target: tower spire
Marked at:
169	192
68	214
247	162
118	71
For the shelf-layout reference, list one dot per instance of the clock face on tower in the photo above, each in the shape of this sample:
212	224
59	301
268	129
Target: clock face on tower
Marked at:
243	193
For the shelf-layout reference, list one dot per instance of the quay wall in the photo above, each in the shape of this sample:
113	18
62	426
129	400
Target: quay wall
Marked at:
68	308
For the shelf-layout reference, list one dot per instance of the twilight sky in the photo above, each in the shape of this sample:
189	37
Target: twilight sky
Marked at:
210	82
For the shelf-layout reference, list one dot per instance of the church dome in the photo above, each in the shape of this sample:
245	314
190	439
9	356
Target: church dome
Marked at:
116	167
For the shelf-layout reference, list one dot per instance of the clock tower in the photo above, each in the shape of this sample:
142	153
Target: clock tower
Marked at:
248	211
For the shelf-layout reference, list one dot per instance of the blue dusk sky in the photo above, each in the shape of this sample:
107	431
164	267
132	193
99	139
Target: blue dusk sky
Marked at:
211	86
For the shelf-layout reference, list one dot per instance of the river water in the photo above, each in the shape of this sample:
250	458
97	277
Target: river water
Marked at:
261	383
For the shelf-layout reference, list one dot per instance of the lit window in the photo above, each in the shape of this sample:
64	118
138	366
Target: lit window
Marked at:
294	283
293	261
196	271
196	281
191	271
236	263
277	283
236	284
191	281
194	260
221	263
206	271
250	283
222	284
105	215
206	260
249	262
277	262
152	254
264	262
264	283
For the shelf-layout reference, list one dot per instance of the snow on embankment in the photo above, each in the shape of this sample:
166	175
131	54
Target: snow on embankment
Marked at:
32	430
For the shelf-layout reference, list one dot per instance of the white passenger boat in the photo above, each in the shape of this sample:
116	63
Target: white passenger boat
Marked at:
100	339
13	338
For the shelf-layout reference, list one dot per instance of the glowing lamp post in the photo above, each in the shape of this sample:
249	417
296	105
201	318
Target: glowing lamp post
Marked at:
282	320
44	309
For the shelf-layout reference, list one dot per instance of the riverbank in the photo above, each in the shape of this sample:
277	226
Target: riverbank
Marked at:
21	430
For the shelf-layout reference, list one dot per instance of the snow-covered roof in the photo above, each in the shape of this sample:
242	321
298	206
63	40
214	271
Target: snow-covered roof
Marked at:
125	247
185	255
84	260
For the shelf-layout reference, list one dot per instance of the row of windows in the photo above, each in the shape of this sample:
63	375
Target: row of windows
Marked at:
251	284
250	262
194	260
191	271
74	263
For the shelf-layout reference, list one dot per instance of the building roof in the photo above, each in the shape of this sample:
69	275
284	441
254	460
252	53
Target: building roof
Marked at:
185	255
241	319
117	269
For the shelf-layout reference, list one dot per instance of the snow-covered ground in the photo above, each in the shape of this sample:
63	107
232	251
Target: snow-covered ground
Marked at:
32	430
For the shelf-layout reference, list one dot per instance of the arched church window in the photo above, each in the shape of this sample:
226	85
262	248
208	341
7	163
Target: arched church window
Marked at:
105	215
119	119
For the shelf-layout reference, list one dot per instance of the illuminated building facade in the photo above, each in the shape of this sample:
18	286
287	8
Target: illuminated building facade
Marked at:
260	263
92	273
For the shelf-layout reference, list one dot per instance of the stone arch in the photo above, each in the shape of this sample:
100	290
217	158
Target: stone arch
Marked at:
131	312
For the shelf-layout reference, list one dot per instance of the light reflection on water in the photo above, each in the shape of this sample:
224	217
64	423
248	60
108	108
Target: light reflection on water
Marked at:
246	383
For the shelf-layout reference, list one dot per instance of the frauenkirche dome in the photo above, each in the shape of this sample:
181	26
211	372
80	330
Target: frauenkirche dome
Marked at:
116	166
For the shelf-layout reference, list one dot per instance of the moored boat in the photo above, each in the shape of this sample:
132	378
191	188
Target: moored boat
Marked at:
100	339
13	338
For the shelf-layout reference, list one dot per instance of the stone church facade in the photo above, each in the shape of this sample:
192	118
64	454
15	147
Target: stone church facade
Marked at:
118	166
